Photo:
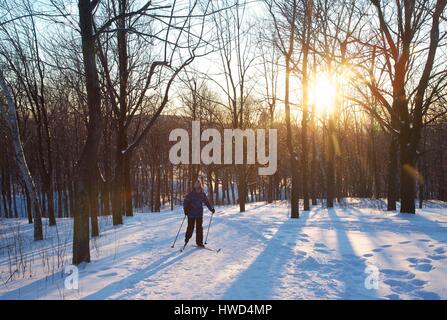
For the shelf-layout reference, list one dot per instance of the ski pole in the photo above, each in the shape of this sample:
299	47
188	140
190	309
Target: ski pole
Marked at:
206	239
178	231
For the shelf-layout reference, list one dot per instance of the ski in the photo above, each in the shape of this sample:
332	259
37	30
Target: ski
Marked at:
206	248
209	249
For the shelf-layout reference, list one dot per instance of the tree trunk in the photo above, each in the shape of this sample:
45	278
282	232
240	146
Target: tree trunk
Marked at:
94	206
128	187
50	200
242	187
157	204
407	178
29	208
330	179
305	105
118	200
87	167
392	175
22	165
231	182
106	185
216	188
313	170
294	202
210	186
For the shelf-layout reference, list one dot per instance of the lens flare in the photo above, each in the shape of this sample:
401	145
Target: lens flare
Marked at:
323	93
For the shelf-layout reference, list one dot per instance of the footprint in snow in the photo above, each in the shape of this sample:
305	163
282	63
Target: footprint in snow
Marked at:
386	246
393	296
106	275
401	274
310	263
426	295
404	242
405	286
321	250
368	255
301	253
418	260
437	257
423	265
440	250
439	253
377	249
405	282
424	240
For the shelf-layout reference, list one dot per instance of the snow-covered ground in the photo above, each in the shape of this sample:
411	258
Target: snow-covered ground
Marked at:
326	254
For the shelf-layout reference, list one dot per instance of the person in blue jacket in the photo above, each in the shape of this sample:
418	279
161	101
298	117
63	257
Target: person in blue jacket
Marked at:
193	208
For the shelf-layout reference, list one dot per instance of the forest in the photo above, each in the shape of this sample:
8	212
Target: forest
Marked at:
90	91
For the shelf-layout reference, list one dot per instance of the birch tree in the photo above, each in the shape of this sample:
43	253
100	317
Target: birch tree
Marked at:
9	113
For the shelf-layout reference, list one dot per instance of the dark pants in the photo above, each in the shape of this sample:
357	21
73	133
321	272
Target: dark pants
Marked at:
199	230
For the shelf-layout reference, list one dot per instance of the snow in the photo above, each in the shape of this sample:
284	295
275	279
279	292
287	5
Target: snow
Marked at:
326	254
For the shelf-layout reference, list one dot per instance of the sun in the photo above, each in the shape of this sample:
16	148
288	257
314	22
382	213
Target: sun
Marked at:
323	93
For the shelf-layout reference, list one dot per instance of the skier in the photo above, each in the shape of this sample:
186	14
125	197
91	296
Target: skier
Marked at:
193	208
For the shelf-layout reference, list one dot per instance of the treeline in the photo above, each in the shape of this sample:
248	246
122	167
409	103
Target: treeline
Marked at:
154	182
90	94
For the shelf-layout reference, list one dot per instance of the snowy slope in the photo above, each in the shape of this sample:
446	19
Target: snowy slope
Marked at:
265	255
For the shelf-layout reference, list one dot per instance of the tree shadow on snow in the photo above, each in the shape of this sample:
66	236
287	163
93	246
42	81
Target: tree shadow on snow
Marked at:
49	284
144	274
260	279
350	269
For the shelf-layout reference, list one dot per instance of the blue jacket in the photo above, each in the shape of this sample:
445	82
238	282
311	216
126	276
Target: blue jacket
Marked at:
193	204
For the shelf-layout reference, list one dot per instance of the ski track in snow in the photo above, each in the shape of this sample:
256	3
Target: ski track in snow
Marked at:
265	255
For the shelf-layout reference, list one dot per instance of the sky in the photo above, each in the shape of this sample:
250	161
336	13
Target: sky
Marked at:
208	67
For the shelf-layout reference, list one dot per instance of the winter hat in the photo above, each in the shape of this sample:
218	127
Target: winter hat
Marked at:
198	184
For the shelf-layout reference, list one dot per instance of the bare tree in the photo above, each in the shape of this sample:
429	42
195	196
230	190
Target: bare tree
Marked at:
9	113
305	46
415	77
237	58
270	69
286	34
22	51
